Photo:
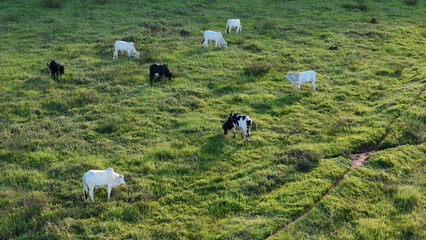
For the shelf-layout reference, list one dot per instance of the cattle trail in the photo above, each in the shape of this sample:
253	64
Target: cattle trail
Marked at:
356	161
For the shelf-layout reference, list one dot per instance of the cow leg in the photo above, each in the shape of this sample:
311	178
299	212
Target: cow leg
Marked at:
234	132
241	132
215	44
313	85
206	43
91	193
109	191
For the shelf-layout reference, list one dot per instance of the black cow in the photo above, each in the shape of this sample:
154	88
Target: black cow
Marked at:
157	70
56	69
236	120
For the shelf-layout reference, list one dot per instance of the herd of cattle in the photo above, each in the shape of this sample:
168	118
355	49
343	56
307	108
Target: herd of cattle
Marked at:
94	179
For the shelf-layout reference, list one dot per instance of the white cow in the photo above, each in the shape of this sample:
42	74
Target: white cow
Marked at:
214	36
94	179
123	46
303	77
233	23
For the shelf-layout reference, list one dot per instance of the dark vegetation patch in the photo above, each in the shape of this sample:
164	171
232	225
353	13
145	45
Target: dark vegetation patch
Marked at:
411	2
252	47
101	2
304	159
256	69
53	3
360	5
223	207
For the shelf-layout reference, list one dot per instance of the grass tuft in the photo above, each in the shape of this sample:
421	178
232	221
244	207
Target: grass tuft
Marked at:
411	2
359	5
53	3
305	159
256	69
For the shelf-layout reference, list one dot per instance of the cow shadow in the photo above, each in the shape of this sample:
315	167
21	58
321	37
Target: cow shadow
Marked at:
214	146
289	99
215	149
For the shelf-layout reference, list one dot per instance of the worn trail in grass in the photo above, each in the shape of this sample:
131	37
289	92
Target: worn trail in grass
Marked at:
357	161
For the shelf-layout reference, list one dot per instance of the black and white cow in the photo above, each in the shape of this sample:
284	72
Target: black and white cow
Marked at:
242	122
55	68
158	70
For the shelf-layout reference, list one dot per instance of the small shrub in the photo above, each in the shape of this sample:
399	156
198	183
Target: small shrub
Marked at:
406	200
268	25
256	69
411	2
101	2
252	47
221	208
304	159
360	5
109	125
149	55
184	33
53	3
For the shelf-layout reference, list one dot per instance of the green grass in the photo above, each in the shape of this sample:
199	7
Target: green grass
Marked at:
383	200
184	178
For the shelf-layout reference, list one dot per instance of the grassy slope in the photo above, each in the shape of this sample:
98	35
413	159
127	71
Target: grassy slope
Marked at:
384	200
184	179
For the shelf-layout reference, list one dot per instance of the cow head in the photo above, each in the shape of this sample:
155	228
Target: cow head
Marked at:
61	69
120	179
168	75
224	43
135	54
227	126
287	76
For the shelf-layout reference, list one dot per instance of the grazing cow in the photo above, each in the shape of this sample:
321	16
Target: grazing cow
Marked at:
303	77
94	179
123	46
214	36
242	122
233	23
158	70
56	69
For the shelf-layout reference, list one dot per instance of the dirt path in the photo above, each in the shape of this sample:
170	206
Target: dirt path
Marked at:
356	161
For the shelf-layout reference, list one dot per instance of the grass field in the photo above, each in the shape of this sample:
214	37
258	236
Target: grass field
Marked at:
184	178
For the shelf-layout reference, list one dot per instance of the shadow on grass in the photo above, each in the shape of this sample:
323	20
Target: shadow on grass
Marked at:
290	99
214	146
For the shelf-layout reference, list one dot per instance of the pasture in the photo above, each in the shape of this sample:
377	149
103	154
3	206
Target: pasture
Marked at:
184	178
